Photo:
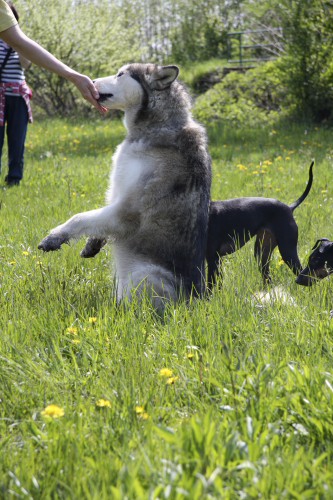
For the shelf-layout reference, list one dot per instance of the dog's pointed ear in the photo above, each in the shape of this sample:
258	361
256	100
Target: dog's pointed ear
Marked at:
318	242
163	76
326	245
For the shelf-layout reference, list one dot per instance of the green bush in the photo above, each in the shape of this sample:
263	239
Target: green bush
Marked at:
308	60
198	37
254	98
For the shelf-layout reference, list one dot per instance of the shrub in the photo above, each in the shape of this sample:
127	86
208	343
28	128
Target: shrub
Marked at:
308	60
252	98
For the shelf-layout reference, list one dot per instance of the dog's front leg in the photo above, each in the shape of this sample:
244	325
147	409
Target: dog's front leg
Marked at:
99	223
93	247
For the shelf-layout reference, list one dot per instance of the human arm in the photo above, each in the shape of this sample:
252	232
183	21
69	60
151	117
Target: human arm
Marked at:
35	53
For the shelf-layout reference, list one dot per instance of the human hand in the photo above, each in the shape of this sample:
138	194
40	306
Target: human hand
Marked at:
88	90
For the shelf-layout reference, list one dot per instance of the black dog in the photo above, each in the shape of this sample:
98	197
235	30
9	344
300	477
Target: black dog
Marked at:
320	263
233	222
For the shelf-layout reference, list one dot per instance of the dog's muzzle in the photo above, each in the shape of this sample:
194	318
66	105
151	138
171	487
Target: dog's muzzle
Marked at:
305	279
104	97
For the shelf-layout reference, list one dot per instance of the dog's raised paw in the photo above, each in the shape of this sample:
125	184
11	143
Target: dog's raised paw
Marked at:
92	248
51	243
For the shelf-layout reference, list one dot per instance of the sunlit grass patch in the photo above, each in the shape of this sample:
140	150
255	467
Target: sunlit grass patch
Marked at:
221	398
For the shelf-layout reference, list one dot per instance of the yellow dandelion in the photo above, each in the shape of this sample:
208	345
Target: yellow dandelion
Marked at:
241	167
268	163
255	172
141	413
72	330
103	403
76	341
12	262
287	157
143	416
324	191
53	411
165	372
25	253
172	380
190	356
280	262
278	158
92	320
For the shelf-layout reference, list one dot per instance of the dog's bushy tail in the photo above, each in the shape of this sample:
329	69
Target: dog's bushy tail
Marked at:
307	189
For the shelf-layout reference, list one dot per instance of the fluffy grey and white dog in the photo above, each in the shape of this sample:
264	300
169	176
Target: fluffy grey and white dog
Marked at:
156	215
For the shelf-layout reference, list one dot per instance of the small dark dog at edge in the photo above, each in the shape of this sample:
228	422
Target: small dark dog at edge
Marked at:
320	263
232	223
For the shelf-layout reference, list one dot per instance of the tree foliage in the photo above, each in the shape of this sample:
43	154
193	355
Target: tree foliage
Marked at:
201	32
96	37
87	36
308	63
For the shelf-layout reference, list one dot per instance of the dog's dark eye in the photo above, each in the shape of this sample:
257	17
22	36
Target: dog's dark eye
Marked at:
120	74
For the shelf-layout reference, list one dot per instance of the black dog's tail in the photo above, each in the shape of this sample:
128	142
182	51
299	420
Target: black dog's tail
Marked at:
307	190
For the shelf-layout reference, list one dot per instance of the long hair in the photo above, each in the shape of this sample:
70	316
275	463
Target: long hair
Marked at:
14	10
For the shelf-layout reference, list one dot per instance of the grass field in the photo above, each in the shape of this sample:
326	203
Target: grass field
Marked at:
226	398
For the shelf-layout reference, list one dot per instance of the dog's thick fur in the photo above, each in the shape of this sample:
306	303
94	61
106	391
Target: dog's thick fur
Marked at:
157	208
233	222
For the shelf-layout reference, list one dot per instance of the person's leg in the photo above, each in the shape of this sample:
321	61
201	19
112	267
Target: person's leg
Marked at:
17	123
2	135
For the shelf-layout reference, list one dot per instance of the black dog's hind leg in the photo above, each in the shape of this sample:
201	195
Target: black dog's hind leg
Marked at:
93	246
213	268
263	249
287	243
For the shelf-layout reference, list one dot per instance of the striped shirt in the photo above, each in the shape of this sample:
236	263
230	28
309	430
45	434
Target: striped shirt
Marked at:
13	71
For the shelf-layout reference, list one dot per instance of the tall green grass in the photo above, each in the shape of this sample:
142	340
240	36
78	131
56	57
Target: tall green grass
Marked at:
246	409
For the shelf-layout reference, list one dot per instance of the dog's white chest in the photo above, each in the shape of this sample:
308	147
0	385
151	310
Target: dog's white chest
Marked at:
131	165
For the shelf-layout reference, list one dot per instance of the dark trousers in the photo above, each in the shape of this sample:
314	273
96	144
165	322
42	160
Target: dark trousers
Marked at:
16	124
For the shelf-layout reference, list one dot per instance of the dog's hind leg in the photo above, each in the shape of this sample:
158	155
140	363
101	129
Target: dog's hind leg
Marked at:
263	249
93	247
287	243
213	268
